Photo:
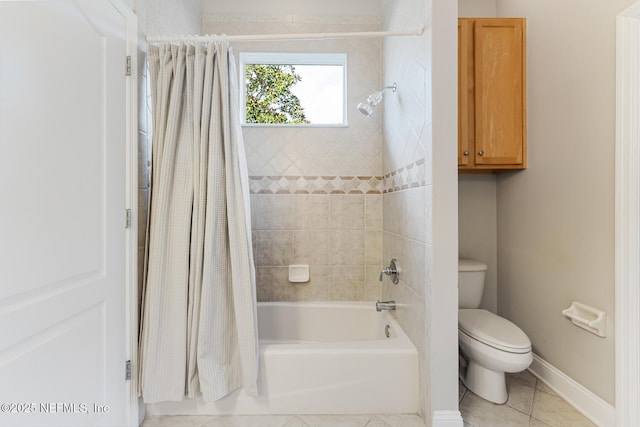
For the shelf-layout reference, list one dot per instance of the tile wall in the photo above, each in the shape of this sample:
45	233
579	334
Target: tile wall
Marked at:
172	17
338	235
407	197
316	193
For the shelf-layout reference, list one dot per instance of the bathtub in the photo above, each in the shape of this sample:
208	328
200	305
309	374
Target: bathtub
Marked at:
322	358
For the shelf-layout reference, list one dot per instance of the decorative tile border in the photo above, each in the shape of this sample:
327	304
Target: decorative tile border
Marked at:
410	176
315	184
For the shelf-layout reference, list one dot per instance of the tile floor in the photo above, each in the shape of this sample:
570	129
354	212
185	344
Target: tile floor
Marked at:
285	421
531	403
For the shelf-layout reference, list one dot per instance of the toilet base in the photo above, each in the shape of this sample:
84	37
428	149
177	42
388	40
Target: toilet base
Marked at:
488	384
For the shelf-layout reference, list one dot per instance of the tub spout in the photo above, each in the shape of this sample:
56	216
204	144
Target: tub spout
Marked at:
385	305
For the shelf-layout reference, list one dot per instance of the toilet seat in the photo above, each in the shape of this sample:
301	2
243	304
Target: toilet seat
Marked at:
493	330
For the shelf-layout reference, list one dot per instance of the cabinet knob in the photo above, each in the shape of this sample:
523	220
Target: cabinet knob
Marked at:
466	153
481	153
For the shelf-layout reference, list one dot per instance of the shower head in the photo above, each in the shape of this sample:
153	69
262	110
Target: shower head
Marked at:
365	109
374	99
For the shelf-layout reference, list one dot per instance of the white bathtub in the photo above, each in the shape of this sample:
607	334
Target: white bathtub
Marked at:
322	358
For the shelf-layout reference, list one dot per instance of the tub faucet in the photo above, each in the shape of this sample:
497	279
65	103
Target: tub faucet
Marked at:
385	305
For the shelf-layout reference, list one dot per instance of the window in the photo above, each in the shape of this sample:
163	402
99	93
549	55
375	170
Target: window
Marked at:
293	89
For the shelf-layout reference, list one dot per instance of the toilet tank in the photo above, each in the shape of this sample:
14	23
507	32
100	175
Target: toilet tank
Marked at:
470	282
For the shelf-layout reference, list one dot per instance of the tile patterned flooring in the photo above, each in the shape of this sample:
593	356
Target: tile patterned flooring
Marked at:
531	404
285	421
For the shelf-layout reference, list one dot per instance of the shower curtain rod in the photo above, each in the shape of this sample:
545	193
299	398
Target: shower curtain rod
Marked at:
275	37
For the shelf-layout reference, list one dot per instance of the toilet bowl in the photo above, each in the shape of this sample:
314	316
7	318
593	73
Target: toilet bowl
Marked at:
490	345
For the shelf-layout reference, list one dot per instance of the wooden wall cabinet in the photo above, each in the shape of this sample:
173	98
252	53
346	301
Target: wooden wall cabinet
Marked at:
492	125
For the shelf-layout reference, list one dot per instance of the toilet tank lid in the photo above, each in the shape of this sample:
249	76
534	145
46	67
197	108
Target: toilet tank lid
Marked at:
471	265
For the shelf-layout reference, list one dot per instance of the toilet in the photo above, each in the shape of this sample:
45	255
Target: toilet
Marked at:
490	345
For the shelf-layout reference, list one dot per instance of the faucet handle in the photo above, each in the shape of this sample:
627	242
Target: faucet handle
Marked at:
393	271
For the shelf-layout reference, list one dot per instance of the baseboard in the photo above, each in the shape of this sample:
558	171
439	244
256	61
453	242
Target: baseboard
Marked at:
591	406
446	419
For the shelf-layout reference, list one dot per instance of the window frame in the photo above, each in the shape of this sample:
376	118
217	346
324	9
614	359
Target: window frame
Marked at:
291	58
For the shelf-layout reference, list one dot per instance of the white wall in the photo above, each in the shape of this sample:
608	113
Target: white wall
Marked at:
478	229
443	327
477	8
556	219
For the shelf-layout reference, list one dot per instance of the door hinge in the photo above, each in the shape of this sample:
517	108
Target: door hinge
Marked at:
127	370
128	72
128	219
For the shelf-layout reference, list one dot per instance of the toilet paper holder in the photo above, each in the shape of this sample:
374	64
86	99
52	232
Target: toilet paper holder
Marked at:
588	318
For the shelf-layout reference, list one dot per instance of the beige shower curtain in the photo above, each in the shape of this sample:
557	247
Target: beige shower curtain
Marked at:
198	326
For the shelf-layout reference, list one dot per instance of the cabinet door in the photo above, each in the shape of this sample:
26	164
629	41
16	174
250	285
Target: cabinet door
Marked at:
500	136
465	91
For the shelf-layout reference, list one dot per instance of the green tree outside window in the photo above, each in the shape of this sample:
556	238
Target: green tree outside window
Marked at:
269	98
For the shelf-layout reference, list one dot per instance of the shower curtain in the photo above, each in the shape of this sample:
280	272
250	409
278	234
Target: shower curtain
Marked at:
198	325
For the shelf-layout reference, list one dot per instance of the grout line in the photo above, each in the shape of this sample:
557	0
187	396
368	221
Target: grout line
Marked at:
464	393
535	390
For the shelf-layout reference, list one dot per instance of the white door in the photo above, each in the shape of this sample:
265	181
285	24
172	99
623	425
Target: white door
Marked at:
62	213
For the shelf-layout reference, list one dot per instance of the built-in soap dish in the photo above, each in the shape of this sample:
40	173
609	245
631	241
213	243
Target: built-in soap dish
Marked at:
298	273
588	318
